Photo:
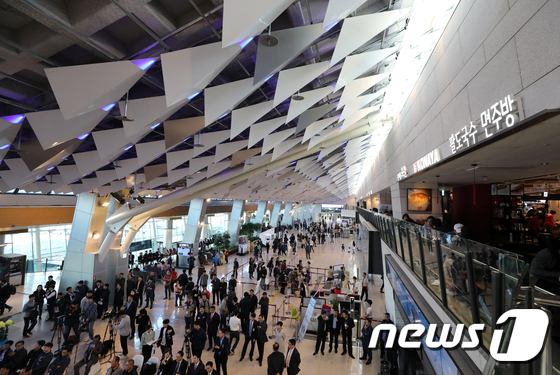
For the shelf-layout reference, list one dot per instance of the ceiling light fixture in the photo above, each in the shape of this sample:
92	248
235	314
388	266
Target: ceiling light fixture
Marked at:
268	40
297	97
125	117
197	144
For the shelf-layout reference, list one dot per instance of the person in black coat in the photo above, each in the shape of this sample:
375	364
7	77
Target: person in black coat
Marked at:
130	285
143	321
244	308
261	338
196	367
198	339
250	330
322	332
119	297
367	331
59	309
275	361
130	309
254	300
140	289
180	364
120	281
335	322
213	325
293	359
167	364
202	319
223	288
166	337
221	352
347	327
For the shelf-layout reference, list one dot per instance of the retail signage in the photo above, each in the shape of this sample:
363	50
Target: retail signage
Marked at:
427	161
402	174
501	116
530	327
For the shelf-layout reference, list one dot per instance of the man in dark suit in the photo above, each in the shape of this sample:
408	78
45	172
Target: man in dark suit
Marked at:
119	297
213	325
322	332
140	288
210	368
275	361
367	331
293	359
180	364
244	308
221	352
347	327
335	322
130	285
166	337
120	281
202	319
130	309
250	330
198	339
196	367
261	338
254	300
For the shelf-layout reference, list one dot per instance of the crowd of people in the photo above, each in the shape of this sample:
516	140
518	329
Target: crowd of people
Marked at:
216	319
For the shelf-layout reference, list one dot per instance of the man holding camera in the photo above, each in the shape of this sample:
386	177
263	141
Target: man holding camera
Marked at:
166	337
123	328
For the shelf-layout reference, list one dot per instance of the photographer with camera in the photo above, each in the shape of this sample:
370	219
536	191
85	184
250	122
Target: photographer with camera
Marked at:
72	321
59	309
91	356
123	328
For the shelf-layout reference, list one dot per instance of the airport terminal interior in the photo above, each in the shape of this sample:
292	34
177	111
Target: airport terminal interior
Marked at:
193	187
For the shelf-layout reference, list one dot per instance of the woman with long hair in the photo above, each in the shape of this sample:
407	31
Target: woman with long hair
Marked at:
39	294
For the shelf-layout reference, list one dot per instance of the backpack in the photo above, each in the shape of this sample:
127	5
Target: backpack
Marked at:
107	346
148	369
12	289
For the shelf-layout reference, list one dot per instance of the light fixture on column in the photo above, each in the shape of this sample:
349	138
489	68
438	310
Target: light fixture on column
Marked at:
249	162
322	147
268	40
197	144
124	117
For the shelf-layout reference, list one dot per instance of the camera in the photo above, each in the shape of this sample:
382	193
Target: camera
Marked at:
188	334
110	315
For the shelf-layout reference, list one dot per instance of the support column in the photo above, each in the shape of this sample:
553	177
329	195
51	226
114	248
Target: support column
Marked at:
261	209
287	219
37	248
235	220
87	234
275	213
193	225
168	238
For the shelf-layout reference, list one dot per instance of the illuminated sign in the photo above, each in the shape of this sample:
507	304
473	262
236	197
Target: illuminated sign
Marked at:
402	174
427	161
499	117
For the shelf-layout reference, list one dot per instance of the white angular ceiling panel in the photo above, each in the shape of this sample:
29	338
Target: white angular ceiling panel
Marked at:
356	65
226	149
209	140
262	129
356	31
51	128
219	100
292	80
216	168
197	164
188	71
291	43
358	103
244	19
317	126
323	135
84	88
339	9
176	158
149	151
284	147
357	116
273	140
242	118
358	87
310	98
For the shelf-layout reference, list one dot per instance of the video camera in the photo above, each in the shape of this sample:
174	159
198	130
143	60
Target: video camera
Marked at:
110	315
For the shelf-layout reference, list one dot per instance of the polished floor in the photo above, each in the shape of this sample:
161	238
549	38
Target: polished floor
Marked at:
324	255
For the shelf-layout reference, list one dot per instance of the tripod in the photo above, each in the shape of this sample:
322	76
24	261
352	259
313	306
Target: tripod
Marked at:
58	331
111	340
187	350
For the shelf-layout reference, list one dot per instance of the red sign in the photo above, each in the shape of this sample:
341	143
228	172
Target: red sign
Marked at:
94	277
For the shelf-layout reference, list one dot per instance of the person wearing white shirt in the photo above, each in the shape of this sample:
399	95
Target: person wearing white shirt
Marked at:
280	337
124	330
365	286
355	289
234	327
369	310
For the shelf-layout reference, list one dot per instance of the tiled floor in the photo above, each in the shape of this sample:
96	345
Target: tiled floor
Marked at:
324	255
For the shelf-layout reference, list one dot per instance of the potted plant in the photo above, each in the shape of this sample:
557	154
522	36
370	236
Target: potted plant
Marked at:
335	303
4	329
